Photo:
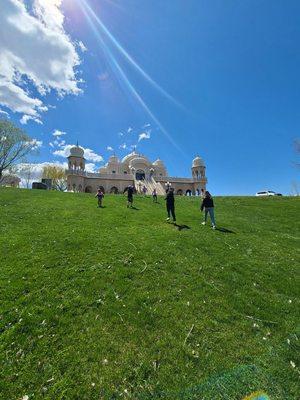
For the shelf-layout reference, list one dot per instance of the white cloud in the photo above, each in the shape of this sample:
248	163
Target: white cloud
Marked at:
36	144
57	132
27	118
90	167
144	135
109	148
129	130
82	46
123	146
64	152
34	48
90	155
62	143
4	113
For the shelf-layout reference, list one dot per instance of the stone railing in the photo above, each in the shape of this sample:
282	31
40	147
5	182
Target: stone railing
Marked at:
128	177
173	179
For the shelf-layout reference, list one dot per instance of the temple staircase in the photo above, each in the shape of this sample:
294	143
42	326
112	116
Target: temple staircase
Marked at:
150	184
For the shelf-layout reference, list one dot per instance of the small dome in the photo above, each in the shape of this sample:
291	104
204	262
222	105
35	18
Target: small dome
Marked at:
113	159
159	163
76	151
198	162
102	170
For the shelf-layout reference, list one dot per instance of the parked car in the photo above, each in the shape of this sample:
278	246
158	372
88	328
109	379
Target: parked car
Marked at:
268	193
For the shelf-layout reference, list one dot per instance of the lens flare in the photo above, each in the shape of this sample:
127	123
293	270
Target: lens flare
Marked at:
127	56
121	76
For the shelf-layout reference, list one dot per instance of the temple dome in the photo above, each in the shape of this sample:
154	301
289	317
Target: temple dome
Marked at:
139	160
76	151
129	157
158	163
198	162
113	159
135	157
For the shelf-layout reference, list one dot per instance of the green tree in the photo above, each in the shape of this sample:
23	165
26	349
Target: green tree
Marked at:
58	176
15	145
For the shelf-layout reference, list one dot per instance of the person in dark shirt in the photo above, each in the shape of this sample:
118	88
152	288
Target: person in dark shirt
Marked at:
130	191
208	207
170	203
154	195
100	196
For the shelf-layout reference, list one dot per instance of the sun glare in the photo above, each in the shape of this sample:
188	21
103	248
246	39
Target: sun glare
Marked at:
101	32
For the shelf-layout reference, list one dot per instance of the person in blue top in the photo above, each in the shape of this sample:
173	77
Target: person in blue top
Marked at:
208	207
100	196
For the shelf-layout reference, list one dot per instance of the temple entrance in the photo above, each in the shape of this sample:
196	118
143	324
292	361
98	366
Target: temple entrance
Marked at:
140	175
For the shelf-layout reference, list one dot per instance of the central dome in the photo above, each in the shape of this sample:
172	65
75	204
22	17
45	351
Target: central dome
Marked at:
133	157
139	160
129	157
158	162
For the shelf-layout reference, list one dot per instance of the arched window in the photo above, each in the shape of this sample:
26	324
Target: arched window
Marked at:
88	189
179	192
114	190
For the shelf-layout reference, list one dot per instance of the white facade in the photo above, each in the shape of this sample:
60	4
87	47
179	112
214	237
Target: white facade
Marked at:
134	169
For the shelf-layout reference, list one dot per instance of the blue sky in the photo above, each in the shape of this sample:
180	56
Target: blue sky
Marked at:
232	68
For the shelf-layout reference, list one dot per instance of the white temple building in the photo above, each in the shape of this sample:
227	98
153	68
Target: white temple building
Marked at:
134	169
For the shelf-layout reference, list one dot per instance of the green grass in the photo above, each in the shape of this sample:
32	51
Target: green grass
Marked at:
116	303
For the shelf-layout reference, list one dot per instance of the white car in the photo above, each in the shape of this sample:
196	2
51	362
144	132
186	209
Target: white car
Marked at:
266	193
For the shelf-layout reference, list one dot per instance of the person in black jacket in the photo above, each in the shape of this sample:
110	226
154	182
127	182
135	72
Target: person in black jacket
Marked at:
208	207
170	203
130	191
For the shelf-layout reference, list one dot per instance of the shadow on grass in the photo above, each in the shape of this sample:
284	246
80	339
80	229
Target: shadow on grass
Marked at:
224	230
181	227
134	208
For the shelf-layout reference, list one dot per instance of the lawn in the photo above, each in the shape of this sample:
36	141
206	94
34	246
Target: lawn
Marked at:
117	303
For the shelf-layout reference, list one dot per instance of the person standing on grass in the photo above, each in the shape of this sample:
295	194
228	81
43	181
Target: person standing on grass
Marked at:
100	196
154	195
130	191
208	207
144	190
170	203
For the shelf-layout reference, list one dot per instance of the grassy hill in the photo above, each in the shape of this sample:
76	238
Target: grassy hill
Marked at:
116	303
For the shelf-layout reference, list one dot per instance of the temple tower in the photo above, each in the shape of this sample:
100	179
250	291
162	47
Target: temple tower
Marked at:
76	160
198	169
